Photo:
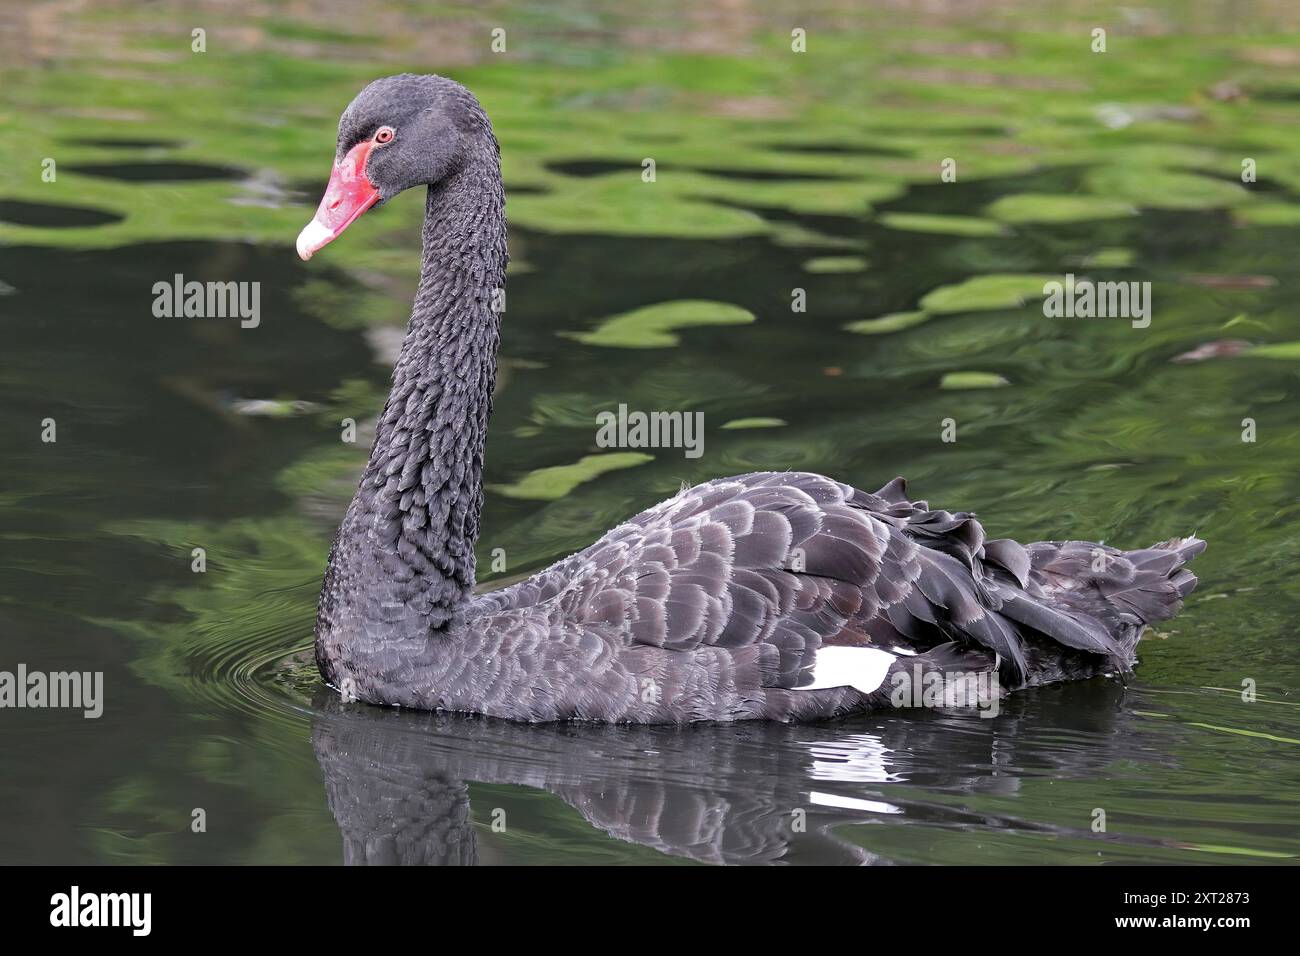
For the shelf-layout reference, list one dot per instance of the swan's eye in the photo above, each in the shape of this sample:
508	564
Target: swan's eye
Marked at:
384	135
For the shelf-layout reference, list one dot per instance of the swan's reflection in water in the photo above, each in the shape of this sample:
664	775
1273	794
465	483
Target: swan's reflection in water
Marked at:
398	783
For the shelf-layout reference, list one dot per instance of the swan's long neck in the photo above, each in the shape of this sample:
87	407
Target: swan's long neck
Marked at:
417	510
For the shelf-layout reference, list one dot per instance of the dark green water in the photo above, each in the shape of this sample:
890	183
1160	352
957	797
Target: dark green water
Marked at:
175	434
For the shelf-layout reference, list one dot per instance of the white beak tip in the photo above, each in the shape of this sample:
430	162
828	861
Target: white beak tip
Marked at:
312	237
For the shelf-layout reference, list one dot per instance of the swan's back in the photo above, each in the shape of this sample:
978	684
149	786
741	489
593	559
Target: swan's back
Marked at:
789	595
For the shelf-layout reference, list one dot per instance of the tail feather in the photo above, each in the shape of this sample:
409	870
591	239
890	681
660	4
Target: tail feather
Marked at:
1090	597
1052	610
1160	584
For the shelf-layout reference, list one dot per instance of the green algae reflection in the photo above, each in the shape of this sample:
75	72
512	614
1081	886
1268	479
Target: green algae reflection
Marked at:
549	484
654	326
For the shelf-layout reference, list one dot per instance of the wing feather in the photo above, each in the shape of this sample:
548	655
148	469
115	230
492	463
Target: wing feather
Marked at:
765	570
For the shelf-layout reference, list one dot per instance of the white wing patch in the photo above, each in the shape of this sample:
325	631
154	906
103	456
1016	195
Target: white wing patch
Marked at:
862	668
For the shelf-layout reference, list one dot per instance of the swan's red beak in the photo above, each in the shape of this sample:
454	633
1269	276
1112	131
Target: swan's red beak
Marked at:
349	194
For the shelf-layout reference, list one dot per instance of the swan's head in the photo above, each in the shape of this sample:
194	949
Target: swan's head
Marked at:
399	132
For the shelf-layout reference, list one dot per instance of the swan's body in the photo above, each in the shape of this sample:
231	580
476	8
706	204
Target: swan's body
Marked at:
784	596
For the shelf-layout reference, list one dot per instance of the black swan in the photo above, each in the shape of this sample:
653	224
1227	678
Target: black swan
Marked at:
778	595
